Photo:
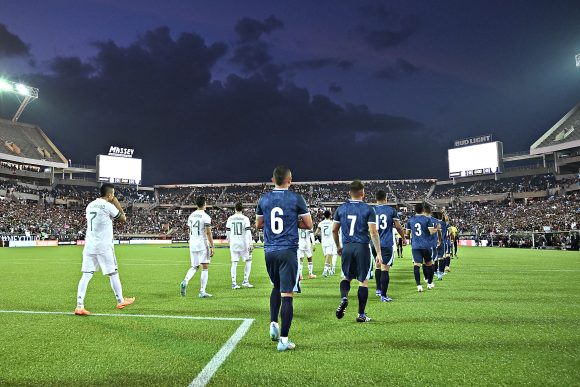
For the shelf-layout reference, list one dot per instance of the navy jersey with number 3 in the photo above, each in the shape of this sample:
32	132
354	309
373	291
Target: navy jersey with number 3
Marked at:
354	217
420	235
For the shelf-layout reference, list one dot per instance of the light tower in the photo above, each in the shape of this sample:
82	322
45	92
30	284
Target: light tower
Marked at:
577	60
24	93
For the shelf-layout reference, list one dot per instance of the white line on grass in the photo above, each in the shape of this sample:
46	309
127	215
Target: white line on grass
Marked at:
203	378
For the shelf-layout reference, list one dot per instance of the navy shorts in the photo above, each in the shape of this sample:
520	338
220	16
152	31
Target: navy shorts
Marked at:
282	266
356	261
387	253
441	250
422	255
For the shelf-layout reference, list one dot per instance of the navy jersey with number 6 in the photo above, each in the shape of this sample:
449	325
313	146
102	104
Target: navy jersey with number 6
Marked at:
354	217
386	215
421	237
281	209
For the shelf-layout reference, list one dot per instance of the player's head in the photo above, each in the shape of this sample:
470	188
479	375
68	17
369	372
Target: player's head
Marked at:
282	176
381	196
239	207
107	191
327	214
419	208
200	202
356	190
426	208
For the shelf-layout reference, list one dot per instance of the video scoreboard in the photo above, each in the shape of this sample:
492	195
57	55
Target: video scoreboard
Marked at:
475	156
119	167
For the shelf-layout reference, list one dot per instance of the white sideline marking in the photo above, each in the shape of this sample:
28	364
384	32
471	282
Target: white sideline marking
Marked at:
203	378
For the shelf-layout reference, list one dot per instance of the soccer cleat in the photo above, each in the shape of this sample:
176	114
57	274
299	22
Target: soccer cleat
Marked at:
82	312
341	308
312	276
420	288
300	278
246	284
378	293
447	269
361	318
324	274
235	286
126	302
386	299
430	286
274	332
204	295
439	276
288	346
183	288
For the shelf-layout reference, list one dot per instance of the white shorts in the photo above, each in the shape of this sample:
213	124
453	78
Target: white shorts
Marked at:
244	254
303	252
199	257
329	250
105	260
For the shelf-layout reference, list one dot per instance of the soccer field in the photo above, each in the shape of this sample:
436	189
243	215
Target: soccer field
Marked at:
500	317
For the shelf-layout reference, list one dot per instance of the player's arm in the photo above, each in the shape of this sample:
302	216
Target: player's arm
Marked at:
209	239
376	241
400	230
439	238
228	230
305	222
121	217
318	231
259	217
249	240
335	231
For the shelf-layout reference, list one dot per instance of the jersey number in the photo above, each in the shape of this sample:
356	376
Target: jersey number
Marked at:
418	229
383	221
352	219
276	223
93	216
192	226
303	234
326	231
238	228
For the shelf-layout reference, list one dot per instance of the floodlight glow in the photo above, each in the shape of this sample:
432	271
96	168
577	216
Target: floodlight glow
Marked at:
5	85
22	89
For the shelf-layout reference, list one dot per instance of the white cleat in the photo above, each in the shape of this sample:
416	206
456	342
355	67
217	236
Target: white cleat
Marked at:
430	286
420	288
235	286
204	295
246	284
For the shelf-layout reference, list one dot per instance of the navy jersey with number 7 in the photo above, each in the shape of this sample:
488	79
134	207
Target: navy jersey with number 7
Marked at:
281	209
354	217
420	236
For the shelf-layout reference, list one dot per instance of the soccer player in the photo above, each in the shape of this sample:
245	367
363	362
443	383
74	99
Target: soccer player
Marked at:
239	235
324	229
387	218
453	237
400	241
357	220
281	213
445	262
435	243
201	247
306	245
421	227
441	247
99	251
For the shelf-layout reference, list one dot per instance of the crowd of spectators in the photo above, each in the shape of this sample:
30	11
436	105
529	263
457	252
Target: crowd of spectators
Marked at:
484	187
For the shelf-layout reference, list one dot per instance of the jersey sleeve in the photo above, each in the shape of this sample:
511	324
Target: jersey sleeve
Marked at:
371	216
229	224
259	211
112	211
207	221
336	218
301	207
395	214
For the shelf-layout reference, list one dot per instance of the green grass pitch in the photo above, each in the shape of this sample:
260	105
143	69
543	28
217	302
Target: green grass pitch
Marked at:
501	317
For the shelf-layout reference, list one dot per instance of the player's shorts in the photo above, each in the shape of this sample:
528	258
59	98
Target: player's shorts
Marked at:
356	261
105	260
387	253
199	257
329	250
441	250
307	251
244	255
282	266
422	255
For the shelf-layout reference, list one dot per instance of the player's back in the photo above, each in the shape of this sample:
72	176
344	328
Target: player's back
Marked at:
434	237
444	229
281	209
326	232
421	236
238	225
198	221
304	239
99	236
386	216
354	217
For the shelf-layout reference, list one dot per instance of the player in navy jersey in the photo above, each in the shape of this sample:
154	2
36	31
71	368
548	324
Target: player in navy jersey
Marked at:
421	228
442	249
448	245
387	218
435	243
281	213
356	220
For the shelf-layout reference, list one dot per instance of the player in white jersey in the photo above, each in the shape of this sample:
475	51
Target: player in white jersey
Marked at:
99	251
241	245
324	229
305	248
201	247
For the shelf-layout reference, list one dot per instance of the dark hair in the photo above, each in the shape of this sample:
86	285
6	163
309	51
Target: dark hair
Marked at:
239	206
419	208
280	173
427	208
356	186
200	201
381	195
327	214
106	189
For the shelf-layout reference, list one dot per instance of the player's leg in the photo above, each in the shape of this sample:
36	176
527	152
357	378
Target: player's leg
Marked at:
194	258
311	274
417	263
347	268
377	272
289	283
334	258
108	264
203	278
247	257
327	255
89	266
428	265
388	259
455	247
364	265
273	269
235	257
301	254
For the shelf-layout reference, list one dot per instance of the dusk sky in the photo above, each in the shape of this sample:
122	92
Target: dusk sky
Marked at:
223	91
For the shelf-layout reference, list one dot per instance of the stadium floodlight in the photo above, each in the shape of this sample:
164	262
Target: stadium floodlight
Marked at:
20	90
578	60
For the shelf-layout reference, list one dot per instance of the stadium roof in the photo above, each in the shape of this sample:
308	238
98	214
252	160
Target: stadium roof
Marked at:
28	144
565	134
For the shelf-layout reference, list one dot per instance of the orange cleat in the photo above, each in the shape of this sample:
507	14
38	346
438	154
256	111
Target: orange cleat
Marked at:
311	276
82	312
126	302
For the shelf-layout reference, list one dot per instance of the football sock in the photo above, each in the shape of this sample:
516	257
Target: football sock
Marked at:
344	288
286	315
334	256
204	275
82	289
310	267
447	262
426	272
378	278
116	285
430	274
363	296
300	268
247	270
275	301
233	271
384	283
417	272
189	275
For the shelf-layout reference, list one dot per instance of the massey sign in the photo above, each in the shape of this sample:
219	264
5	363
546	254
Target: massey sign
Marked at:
121	152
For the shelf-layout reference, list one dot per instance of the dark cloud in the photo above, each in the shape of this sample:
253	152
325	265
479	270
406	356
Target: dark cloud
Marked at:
252	56
250	30
401	68
384	28
316	64
11	45
71	67
334	88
